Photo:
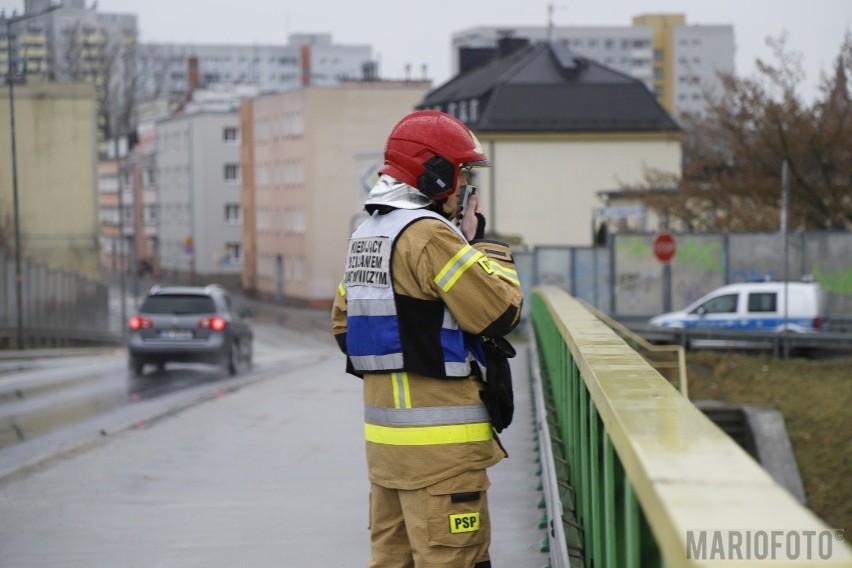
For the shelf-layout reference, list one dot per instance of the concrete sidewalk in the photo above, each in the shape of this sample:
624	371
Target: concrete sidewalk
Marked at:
270	475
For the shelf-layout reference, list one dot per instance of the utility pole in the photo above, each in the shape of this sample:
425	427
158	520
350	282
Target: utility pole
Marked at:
785	206
121	280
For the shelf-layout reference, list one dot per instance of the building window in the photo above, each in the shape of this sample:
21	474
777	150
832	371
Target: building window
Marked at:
233	253
232	173
294	173
231	134
233	214
473	110
463	111
294	221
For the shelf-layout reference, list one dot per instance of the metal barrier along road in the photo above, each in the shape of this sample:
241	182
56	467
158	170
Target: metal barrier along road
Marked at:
634	475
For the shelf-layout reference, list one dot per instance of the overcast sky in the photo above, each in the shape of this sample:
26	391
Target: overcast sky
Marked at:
418	33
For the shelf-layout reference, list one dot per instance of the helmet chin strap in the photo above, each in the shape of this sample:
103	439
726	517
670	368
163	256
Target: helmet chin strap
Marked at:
437	206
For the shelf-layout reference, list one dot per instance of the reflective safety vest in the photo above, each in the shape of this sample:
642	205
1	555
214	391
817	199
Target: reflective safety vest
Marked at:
374	339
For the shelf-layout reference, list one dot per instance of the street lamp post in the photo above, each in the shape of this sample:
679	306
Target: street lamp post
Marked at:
19	277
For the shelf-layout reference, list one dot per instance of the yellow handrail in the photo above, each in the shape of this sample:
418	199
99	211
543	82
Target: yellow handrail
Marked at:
691	479
678	350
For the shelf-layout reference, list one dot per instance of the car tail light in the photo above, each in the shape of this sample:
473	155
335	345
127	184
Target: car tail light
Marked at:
817	323
136	323
215	323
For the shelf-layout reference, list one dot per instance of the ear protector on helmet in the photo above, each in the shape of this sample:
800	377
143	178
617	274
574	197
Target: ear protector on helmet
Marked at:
438	178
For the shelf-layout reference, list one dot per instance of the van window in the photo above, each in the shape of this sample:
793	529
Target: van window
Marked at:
763	302
726	304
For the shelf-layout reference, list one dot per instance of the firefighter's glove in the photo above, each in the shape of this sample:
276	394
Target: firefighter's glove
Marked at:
480	228
497	394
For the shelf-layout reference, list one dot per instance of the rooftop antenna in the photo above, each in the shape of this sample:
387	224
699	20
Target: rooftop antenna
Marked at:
551	7
549	22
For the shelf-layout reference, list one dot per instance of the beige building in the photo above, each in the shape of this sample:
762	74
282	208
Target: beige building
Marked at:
545	191
300	155
56	163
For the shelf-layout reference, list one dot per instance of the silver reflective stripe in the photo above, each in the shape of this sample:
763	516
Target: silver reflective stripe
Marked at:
371	307
449	321
377	362
429	416
458	265
457	369
401	395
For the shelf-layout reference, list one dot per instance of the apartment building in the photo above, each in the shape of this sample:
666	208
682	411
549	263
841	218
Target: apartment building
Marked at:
173	70
304	180
199	214
677	62
67	41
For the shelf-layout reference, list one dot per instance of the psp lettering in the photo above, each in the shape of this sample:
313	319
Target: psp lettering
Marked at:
368	262
464	522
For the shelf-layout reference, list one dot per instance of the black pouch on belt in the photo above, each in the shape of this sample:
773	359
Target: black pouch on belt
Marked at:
498	396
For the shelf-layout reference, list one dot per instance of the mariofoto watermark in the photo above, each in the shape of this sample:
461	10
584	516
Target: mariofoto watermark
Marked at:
770	544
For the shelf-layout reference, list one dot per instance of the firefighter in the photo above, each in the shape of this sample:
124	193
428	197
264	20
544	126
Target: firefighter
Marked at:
420	291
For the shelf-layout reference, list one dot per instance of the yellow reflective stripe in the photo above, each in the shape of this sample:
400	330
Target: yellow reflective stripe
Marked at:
428	435
401	392
505	273
457	266
341	290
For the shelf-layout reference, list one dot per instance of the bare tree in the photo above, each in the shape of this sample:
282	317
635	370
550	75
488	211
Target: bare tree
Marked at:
733	155
108	61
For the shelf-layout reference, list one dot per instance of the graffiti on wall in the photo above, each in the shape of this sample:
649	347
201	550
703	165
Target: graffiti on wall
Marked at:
629	280
701	255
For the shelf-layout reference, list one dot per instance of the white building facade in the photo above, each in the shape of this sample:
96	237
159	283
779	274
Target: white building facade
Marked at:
171	69
200	214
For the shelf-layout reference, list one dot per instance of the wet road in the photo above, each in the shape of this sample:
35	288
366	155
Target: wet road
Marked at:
263	470
39	396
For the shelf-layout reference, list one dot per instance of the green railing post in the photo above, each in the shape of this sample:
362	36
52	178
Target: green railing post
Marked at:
593	465
609	522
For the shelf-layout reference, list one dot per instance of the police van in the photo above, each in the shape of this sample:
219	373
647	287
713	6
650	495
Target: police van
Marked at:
766	306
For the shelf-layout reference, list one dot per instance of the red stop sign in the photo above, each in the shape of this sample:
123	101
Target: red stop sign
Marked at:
665	247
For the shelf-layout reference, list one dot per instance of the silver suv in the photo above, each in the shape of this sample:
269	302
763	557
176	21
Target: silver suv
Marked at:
188	324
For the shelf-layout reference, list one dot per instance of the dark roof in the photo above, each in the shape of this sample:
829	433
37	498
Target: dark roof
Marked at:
547	88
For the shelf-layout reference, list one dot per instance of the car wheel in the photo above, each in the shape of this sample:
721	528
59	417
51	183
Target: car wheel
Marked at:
249	356
232	359
136	365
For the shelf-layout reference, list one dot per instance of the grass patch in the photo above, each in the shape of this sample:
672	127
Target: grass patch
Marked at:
815	397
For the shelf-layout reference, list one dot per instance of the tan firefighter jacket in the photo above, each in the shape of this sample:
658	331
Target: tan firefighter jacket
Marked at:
420	430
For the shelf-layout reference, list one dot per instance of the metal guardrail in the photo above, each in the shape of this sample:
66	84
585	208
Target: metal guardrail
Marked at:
58	337
782	344
644	470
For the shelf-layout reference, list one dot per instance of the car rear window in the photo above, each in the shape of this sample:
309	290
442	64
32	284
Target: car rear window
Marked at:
178	304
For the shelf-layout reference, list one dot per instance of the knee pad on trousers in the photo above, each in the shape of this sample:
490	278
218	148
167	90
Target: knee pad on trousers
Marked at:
483	564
